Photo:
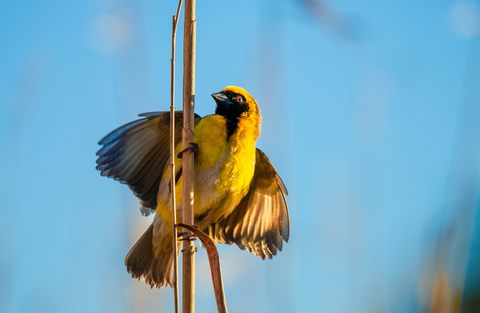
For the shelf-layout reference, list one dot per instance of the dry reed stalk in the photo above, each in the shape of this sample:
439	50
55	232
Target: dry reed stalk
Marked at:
214	261
172	157
188	252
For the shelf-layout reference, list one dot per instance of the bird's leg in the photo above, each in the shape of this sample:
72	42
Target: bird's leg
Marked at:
193	147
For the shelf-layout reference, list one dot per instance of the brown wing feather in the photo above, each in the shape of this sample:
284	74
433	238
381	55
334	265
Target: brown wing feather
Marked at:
260	223
136	154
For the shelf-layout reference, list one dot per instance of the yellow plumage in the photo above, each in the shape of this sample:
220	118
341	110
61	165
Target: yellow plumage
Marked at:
239	198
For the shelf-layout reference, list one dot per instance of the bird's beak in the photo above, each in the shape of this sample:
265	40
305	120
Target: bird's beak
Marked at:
221	99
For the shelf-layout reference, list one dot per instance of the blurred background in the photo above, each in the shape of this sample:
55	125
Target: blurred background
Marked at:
371	115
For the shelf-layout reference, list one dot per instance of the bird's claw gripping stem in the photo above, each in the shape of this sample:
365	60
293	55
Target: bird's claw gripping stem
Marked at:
189	238
182	236
193	147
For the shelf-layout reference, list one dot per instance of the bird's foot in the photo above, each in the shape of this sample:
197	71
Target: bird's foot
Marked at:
181	234
193	147
185	235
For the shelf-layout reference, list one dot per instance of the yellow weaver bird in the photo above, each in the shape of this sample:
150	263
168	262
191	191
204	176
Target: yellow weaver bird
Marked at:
239	197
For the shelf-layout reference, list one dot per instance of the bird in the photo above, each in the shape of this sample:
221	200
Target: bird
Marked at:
239	198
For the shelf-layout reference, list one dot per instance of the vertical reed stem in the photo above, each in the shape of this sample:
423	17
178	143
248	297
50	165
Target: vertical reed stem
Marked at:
188	259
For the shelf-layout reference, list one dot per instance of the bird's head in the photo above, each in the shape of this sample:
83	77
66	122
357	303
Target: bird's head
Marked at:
235	103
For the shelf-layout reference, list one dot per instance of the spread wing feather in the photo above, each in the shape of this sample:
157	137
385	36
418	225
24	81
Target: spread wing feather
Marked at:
260	222
136	154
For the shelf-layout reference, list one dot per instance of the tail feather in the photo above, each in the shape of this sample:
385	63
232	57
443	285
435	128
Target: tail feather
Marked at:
140	257
143	263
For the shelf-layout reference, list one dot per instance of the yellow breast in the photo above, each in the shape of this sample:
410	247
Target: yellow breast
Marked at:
224	167
238	168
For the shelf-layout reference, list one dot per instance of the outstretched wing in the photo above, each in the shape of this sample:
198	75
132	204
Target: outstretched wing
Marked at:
136	154
260	222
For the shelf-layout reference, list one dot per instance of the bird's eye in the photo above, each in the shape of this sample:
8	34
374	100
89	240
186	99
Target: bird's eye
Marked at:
239	99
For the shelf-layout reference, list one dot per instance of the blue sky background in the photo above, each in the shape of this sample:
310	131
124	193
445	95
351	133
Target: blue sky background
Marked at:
370	116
